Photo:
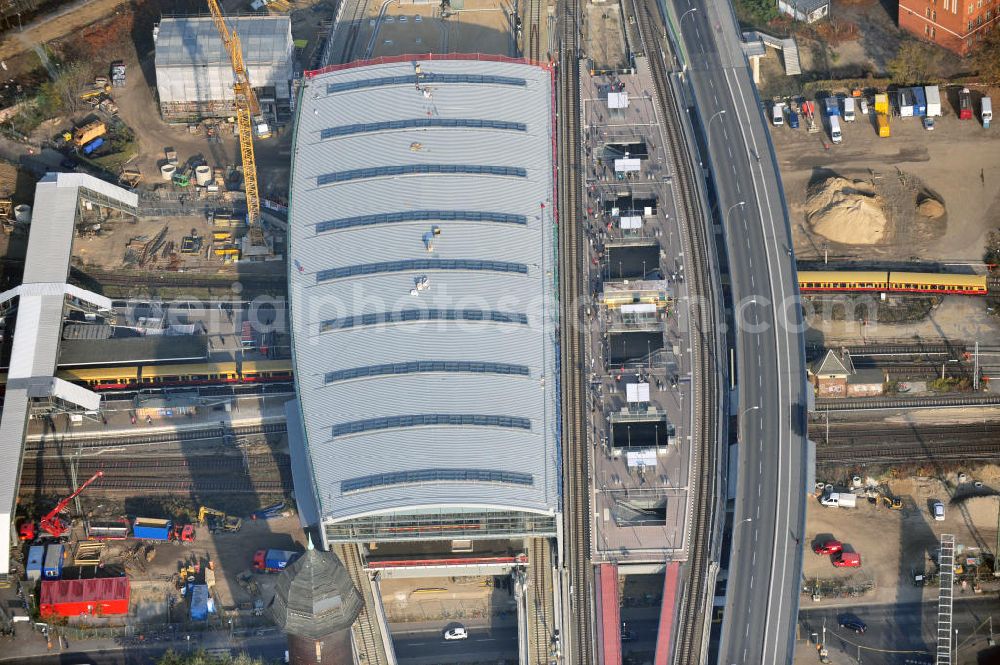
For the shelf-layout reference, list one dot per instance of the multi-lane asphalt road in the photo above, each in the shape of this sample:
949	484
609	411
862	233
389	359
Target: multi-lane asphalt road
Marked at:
762	599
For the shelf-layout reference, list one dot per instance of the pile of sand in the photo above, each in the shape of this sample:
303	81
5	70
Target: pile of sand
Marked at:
846	211
931	208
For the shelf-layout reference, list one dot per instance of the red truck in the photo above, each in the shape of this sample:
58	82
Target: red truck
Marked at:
964	104
273	561
829	547
847	560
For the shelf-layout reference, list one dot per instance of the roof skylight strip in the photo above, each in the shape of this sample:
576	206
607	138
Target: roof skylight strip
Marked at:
418	476
430	420
419	264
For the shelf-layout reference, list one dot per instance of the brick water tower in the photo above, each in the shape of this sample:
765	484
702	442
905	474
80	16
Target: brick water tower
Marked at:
315	602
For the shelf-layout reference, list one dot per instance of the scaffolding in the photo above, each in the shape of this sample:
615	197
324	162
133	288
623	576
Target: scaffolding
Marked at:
946	590
194	78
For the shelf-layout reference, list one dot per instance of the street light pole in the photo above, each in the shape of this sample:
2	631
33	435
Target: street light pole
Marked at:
715	115
680	21
740	204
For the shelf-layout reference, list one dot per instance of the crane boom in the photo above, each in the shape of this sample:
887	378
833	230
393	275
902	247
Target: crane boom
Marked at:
247	108
55	525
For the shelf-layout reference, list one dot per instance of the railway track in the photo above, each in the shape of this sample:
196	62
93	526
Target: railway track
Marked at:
367	633
34	443
160	279
691	624
950	350
576	466
986	448
540	602
874	403
535	29
133	486
158	465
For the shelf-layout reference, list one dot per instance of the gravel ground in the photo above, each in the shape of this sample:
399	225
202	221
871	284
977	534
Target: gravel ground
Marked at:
893	544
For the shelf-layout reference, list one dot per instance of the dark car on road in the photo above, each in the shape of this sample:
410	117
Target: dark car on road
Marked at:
851	622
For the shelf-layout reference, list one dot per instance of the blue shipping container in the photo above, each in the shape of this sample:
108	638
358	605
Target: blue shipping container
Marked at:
199	603
93	145
919	102
151	529
36	556
52	568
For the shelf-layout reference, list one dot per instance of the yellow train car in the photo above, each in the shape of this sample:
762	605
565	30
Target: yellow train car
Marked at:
189	374
267	370
820	280
103	378
915	282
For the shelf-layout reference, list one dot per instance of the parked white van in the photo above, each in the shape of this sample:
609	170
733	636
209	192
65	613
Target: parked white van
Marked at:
835	134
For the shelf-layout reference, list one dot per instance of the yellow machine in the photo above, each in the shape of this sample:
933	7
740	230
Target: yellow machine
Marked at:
217	520
882	120
882	103
247	116
891	502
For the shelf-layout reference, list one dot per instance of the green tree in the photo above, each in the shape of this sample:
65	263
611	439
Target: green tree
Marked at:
916	62
986	57
756	12
201	658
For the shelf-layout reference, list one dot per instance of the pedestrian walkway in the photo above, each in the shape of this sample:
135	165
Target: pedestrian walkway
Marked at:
789	49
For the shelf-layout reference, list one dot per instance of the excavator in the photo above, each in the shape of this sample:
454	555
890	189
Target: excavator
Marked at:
218	521
52	524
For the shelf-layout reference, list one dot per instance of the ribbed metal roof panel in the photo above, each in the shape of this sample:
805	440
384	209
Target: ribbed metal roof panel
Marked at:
195	41
533	397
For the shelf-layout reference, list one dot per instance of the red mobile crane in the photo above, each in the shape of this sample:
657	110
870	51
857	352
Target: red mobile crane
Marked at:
51	523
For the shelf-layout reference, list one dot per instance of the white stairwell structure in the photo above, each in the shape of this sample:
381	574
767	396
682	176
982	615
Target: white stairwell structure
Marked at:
789	49
946	566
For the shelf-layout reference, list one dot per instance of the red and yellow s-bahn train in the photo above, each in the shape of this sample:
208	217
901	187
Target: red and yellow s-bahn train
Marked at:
137	377
891	282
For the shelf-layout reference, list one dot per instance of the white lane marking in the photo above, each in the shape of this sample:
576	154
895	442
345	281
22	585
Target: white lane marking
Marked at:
781	529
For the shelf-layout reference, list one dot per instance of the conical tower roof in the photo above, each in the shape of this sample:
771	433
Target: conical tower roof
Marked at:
315	597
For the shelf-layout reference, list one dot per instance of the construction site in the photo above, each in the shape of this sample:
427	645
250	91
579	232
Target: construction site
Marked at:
162	443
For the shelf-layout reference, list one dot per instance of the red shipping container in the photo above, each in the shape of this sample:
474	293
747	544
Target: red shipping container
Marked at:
73	598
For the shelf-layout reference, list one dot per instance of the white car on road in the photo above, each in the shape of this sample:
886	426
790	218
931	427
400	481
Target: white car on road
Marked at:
457	633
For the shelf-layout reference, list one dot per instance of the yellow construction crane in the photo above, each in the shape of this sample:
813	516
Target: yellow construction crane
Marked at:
247	118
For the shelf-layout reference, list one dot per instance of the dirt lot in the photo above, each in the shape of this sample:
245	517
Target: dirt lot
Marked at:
231	554
449	598
482	27
955	318
959	162
894	544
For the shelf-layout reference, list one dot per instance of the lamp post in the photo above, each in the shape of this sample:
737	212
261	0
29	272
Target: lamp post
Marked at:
729	212
680	21
715	115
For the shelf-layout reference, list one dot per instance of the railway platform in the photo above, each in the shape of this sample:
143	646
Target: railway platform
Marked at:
119	419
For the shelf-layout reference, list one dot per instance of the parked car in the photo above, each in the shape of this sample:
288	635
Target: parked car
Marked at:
863	104
851	622
938	509
793	120
828	547
847	560
928	123
456	633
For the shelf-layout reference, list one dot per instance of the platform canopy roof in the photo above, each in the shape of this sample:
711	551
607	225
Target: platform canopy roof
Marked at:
422	281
